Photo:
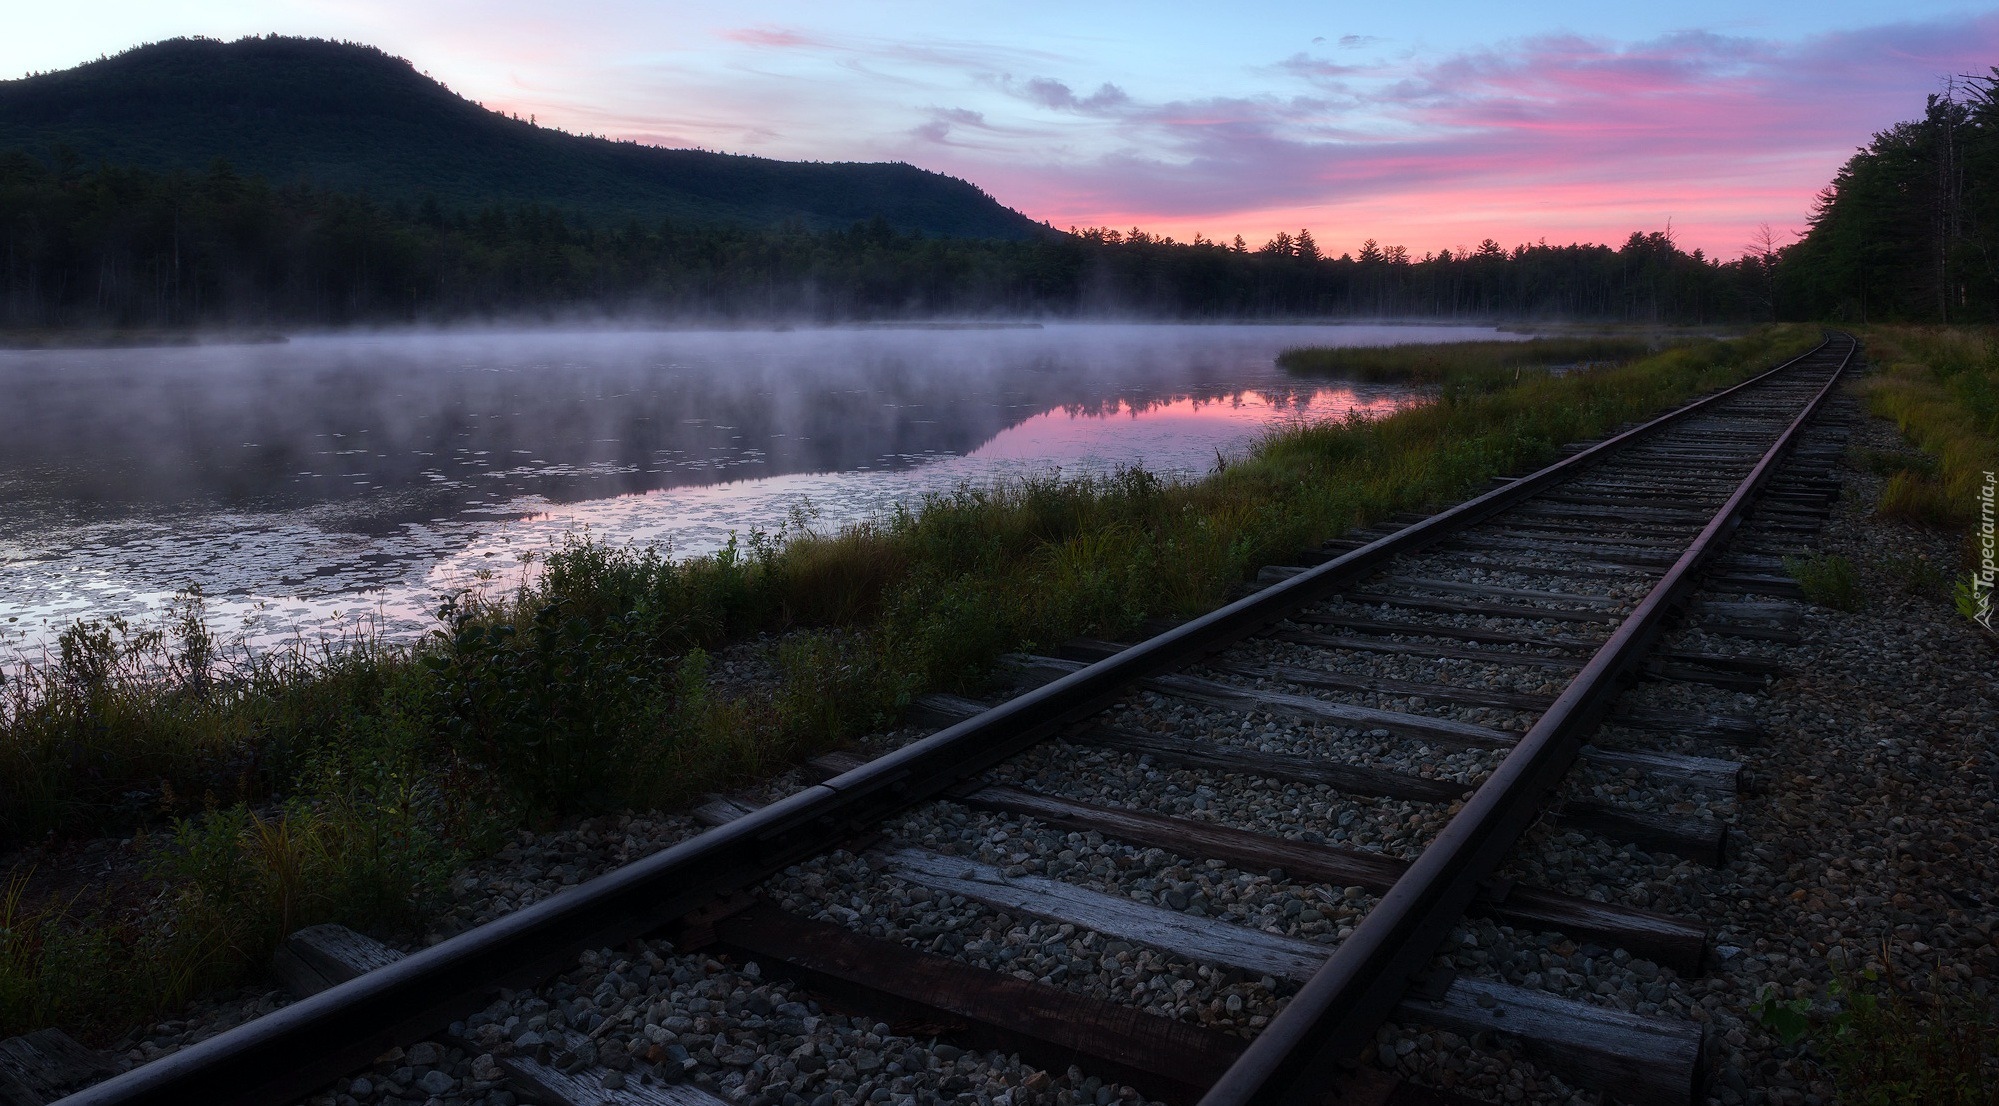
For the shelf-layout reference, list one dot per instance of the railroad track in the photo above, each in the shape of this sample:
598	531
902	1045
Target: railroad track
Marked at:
1210	865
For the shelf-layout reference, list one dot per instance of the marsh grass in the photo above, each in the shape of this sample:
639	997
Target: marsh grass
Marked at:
1466	364
120	726
342	784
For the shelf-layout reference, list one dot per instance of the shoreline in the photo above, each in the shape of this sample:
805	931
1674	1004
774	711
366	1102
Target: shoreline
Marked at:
94	338
64	340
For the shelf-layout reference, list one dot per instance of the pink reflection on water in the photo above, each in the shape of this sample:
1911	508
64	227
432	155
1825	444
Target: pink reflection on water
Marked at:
1178	437
1181	431
495	549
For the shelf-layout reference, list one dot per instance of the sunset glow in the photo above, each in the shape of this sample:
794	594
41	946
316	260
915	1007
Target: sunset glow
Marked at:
1430	129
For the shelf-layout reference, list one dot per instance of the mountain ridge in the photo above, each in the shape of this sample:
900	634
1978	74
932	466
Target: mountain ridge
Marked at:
355	118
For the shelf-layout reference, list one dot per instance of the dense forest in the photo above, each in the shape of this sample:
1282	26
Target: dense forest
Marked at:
1908	231
116	246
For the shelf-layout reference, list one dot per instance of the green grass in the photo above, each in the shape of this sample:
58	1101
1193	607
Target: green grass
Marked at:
230	883
300	787
1828	580
1923	501
1484	364
122	725
1883	462
1940	386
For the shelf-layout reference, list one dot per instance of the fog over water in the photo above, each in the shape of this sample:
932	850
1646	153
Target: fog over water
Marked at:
307	484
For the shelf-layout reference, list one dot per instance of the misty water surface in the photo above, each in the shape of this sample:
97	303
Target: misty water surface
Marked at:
305	485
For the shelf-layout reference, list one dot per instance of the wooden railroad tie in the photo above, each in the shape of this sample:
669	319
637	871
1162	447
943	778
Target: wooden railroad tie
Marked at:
323	956
39	1067
1677	942
1645	1061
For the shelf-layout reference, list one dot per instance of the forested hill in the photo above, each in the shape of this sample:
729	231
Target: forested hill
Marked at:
353	119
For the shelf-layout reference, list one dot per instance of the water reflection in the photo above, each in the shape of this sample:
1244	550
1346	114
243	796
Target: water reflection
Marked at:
302	483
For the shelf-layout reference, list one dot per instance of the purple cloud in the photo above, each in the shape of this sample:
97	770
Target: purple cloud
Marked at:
1557	134
1051	93
938	128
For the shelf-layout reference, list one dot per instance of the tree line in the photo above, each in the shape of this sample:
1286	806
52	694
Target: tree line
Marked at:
1908	230
106	245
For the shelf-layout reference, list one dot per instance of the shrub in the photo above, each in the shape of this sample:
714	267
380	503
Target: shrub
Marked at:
1828	580
543	704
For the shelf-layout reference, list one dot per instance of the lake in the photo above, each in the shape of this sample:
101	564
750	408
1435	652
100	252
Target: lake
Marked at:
308	485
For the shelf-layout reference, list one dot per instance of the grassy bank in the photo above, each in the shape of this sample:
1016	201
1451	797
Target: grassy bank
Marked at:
1488	364
1940	386
278	791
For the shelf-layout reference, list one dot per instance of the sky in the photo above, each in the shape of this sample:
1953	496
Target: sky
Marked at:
1427	125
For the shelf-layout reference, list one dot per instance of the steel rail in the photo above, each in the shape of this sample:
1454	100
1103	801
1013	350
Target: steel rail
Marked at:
1337	1011
298	1048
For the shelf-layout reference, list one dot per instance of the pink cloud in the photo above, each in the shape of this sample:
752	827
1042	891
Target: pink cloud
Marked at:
1558	136
769	36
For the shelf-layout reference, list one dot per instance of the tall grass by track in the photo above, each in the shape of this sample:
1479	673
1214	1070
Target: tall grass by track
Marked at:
286	790
1940	385
1487	364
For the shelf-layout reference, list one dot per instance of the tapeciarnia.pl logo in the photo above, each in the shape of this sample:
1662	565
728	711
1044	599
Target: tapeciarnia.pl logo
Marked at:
1984	577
